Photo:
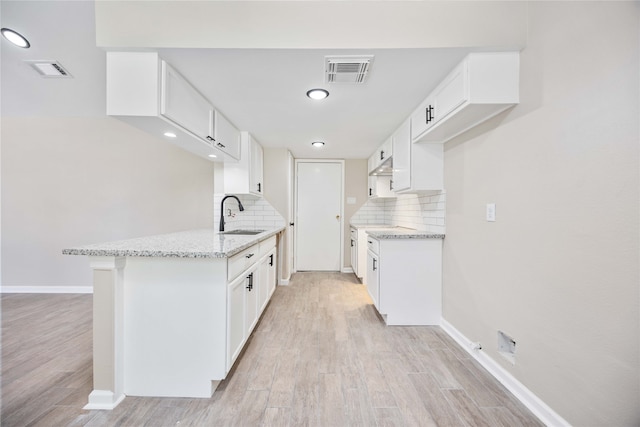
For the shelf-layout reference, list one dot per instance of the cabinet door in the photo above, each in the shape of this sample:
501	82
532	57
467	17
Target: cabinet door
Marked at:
452	92
251	299
256	185
235	319
227	136
402	157
422	118
372	162
386	150
272	272
263	285
354	254
372	279
372	186
184	105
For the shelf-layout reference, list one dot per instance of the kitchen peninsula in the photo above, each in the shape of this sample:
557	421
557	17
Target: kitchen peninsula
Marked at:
172	312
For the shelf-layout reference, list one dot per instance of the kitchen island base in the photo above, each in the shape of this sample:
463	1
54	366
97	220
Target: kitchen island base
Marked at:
170	322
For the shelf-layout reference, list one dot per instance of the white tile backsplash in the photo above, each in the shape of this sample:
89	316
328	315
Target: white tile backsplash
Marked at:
257	213
423	212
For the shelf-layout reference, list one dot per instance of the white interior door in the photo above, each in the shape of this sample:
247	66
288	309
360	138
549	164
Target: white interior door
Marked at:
318	224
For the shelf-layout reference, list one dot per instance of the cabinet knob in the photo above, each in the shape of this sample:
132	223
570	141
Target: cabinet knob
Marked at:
219	144
249	256
210	138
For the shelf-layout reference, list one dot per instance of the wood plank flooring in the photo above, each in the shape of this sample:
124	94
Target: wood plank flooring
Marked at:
320	356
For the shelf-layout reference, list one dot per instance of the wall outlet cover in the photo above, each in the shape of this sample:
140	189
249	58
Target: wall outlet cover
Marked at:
491	212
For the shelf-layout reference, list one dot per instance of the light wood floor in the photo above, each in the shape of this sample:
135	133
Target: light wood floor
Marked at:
320	356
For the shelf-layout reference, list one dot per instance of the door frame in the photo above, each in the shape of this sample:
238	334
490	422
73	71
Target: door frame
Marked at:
295	208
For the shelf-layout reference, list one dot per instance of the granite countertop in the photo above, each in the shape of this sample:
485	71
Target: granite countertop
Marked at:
203	243
402	233
366	226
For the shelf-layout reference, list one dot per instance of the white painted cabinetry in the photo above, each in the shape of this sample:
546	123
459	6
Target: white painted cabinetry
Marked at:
246	175
372	280
248	293
481	86
226	136
146	92
416	167
236	331
354	250
381	186
382	156
182	104
406	296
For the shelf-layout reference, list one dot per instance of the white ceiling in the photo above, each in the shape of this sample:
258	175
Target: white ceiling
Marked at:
259	90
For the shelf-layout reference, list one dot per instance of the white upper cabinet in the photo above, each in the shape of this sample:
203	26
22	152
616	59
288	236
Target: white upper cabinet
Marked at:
246	175
147	92
481	86
381	186
226	137
382	157
416	167
182	104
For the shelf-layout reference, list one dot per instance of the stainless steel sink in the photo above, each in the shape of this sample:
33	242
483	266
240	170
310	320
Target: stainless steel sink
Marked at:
243	232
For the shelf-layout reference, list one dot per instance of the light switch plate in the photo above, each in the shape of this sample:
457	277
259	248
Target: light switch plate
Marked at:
491	212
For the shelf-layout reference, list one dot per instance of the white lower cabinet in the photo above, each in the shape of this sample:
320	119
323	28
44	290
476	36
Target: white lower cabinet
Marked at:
236	301
248	293
354	250
402	295
267	279
372	280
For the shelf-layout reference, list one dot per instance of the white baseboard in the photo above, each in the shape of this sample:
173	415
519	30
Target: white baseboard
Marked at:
283	282
540	409
46	289
347	270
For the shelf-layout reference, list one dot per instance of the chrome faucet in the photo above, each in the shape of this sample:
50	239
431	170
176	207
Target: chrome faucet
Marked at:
222	210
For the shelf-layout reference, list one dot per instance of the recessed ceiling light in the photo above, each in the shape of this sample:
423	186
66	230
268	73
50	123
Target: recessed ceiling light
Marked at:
170	134
15	38
317	144
213	156
317	94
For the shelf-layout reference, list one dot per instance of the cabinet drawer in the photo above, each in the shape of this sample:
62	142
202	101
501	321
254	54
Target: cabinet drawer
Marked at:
267	245
373	245
354	233
241	261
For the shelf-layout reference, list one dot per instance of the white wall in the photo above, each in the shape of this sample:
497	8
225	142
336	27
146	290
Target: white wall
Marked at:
336	24
559	269
73	181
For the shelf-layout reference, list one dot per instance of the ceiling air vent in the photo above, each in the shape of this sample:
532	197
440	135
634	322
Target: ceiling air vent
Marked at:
49	69
347	69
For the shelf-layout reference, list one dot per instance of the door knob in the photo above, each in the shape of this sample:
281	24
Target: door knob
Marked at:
338	217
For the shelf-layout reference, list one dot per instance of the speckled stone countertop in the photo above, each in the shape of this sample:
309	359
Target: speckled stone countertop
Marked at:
365	226
204	243
402	233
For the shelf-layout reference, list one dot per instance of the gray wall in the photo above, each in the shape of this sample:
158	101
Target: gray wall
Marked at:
558	270
72	181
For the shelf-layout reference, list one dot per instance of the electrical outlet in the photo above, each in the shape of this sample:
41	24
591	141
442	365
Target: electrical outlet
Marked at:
491	212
